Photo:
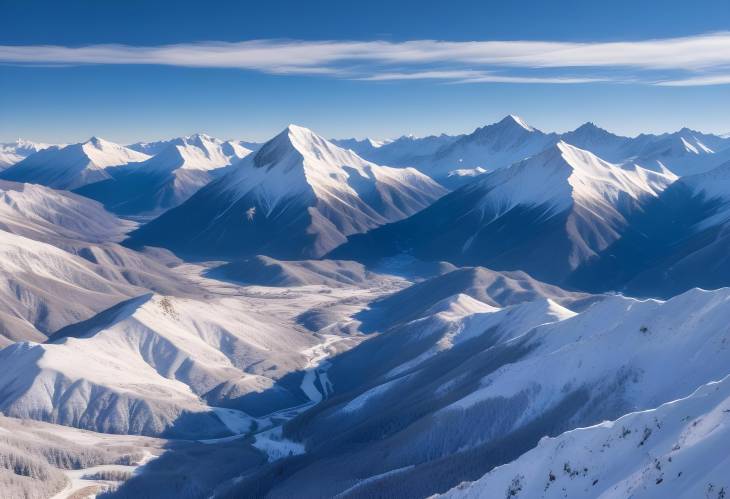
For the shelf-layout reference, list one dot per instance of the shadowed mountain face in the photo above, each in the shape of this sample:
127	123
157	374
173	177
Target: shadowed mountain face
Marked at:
298	196
678	241
637	231
547	215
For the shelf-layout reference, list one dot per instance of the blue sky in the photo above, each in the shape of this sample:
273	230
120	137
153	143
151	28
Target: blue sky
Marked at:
131	70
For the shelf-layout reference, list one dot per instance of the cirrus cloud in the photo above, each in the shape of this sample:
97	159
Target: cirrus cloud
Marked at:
694	60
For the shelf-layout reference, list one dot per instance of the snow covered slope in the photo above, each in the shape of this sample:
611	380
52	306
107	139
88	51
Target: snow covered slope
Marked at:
45	288
676	450
385	390
645	337
61	263
72	166
491	147
267	271
496	289
150	148
512	139
156	147
166	180
484	390
546	215
404	151
712	187
453	159
41	461
14	152
196	152
600	142
147	366
299	195
363	148
46	214
677	241
684	152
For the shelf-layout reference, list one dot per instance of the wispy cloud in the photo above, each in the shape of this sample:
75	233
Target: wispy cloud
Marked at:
470	76
694	60
697	81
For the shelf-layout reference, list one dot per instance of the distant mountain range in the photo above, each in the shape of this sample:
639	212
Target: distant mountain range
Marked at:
176	172
73	166
512	139
14	152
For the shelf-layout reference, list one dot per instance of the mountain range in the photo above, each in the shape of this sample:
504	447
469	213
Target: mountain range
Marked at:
512	139
14	152
178	170
504	313
70	167
299	195
548	215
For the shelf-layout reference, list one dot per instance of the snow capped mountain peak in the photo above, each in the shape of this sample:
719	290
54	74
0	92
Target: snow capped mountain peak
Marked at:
508	124
103	153
306	142
290	145
594	179
196	152
297	160
301	136
96	141
535	312
591	129
200	136
180	169
72	166
564	174
684	152
512	118
100	144
297	145
309	181
490	147
601	142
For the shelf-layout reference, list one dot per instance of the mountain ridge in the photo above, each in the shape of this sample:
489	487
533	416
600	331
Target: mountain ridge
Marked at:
296	180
